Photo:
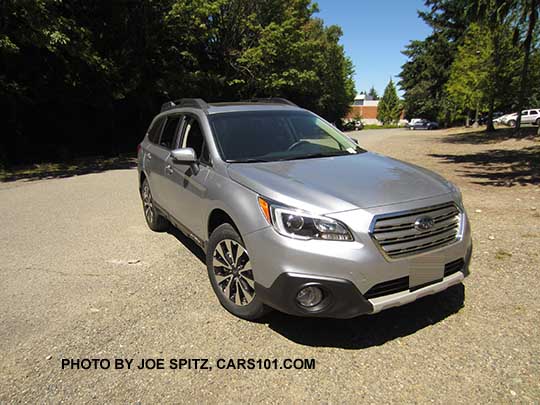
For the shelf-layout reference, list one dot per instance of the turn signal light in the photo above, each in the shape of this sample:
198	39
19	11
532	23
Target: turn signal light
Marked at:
265	209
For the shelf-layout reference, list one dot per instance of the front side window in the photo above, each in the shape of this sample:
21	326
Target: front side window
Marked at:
193	136
277	135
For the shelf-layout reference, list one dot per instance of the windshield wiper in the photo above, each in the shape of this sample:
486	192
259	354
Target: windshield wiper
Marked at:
315	155
250	160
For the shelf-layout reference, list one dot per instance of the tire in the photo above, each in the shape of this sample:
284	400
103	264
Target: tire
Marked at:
231	274
537	122
512	123
155	221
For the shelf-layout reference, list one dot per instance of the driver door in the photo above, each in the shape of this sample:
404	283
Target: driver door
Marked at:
188	182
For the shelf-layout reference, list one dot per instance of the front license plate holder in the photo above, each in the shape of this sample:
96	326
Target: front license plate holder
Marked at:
425	270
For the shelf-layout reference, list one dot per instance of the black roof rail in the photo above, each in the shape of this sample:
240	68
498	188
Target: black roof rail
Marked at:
185	102
272	100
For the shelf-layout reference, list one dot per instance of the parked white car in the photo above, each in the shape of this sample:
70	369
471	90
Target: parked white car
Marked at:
501	120
413	121
527	117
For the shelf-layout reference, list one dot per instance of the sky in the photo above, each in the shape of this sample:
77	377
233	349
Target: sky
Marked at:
374	34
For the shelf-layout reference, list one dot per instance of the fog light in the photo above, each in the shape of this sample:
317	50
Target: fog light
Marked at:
309	296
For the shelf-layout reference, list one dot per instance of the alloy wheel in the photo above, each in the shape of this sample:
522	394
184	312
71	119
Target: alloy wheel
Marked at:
233	272
147	203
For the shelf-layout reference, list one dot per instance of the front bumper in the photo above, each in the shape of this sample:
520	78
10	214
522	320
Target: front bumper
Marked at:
345	271
342	298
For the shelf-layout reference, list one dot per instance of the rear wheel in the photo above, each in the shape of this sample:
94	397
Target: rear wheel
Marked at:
231	274
155	221
537	121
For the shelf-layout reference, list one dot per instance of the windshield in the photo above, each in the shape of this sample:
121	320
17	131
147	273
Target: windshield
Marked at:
267	136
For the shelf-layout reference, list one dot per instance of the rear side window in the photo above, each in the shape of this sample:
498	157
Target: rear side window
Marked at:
169	131
155	130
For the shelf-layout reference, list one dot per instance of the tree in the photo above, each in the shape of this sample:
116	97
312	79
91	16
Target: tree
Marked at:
493	14
389	108
101	70
529	15
373	93
470	72
424	76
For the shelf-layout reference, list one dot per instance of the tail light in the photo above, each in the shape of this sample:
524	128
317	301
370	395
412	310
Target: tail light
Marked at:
138	148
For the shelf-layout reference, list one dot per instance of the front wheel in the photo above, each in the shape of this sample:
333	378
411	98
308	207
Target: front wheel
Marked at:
231	274
512	123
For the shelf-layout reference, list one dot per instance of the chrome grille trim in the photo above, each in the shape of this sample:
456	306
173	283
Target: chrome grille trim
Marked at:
396	236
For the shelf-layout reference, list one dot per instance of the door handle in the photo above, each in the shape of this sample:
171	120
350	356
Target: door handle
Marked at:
168	169
148	155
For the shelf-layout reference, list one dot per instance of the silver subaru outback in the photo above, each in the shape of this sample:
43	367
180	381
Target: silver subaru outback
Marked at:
293	215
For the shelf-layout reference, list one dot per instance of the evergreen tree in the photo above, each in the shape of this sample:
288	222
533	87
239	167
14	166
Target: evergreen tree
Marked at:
389	108
373	93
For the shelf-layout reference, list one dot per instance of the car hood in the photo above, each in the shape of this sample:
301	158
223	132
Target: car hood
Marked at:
339	183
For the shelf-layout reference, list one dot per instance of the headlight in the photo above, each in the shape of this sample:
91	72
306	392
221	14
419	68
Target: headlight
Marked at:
455	191
302	225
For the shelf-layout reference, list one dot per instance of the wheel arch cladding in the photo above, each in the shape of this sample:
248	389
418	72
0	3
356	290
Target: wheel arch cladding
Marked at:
219	217
142	176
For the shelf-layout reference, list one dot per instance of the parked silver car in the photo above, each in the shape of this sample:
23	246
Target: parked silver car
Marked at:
294	215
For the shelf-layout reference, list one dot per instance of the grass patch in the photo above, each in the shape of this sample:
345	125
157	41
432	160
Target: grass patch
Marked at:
67	169
375	126
502	254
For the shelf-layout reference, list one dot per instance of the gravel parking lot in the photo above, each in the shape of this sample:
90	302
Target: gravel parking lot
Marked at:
83	277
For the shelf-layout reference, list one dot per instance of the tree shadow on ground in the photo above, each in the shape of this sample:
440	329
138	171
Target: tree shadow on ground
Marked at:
483	137
369	330
499	167
68	169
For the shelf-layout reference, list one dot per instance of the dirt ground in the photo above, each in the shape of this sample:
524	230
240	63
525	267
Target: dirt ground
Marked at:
81	276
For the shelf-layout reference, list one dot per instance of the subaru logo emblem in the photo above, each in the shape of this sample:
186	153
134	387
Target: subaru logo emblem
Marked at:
424	223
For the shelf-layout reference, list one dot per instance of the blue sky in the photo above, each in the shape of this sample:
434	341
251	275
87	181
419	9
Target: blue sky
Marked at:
374	33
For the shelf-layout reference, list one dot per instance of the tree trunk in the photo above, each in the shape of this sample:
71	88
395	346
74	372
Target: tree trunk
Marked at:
493	89
468	120
490	127
525	70
475	125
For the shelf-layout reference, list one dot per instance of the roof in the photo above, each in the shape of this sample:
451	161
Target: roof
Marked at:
256	104
218	108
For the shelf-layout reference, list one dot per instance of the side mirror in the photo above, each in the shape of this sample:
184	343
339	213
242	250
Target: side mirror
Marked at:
185	156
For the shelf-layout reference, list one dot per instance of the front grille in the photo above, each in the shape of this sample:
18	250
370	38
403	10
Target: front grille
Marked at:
402	284
397	236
